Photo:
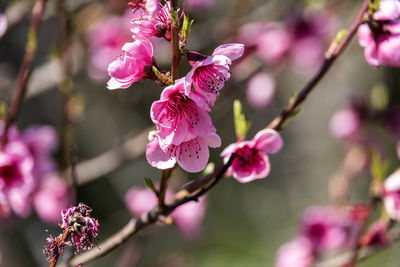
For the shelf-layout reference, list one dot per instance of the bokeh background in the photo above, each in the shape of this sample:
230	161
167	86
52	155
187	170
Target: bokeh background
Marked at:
245	224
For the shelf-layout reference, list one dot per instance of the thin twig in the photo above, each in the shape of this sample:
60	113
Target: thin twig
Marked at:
64	237
333	52
25	71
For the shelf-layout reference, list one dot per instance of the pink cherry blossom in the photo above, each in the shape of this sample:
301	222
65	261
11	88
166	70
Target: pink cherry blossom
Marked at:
308	31
251	161
150	7
53	195
42	142
297	252
209	75
345	123
188	217
157	23
274	43
16	178
180	118
391	195
133	65
260	90
140	200
325	228
3	24
105	41
382	46
191	155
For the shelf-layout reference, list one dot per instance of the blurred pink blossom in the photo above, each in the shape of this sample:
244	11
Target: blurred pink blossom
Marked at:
189	217
53	195
391	195
16	178
251	161
382	45
308	31
297	252
3	24
180	118
325	228
105	41
345	123
42	142
209	75
133	65
140	200
150	7
273	43
260	90
191	155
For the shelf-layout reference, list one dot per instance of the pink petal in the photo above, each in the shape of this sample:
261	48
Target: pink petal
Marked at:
232	51
3	24
191	161
157	157
140	200
388	10
268	140
389	51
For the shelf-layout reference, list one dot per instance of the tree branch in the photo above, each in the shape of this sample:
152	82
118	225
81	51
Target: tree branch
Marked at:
176	54
204	184
25	71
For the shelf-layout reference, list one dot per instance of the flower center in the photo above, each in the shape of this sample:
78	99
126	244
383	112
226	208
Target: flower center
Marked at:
247	156
8	172
192	148
209	78
180	107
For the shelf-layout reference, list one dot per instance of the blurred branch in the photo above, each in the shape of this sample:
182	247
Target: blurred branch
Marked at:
101	165
333	52
204	184
135	225
364	253
24	73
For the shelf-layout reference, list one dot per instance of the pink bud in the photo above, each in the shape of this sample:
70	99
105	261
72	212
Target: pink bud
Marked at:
189	217
345	123
140	200
297	252
260	90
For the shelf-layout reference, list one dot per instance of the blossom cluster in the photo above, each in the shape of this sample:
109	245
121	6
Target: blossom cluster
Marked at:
28	174
184	127
77	223
322	230
187	217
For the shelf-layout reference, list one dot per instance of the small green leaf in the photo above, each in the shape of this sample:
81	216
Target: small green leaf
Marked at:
3	110
373	6
149	183
209	168
187	24
242	126
379	166
339	37
379	97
